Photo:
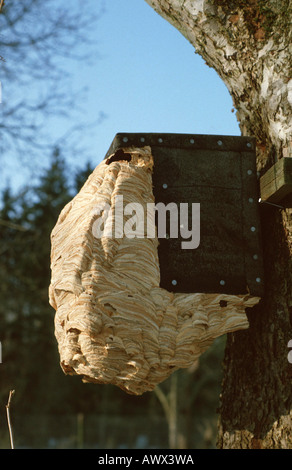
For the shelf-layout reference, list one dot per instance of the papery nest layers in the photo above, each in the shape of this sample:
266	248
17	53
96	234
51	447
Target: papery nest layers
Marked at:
114	324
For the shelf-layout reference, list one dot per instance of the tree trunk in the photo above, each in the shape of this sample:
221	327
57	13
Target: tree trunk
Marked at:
247	43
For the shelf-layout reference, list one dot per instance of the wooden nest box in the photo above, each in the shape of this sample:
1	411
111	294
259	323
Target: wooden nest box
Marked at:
132	308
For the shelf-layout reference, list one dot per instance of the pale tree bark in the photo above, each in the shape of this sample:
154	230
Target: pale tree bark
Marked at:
249	44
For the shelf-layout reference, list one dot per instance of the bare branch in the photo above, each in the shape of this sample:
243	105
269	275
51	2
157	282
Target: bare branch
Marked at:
9	224
11	393
38	39
163	400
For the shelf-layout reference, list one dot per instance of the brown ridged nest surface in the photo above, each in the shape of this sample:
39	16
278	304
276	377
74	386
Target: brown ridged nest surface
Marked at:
114	324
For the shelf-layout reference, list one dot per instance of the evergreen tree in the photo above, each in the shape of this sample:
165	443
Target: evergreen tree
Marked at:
26	318
43	394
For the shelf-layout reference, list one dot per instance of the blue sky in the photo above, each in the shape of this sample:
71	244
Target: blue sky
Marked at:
146	78
149	79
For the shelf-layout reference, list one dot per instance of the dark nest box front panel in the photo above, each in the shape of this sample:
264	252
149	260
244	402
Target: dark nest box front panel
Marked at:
219	173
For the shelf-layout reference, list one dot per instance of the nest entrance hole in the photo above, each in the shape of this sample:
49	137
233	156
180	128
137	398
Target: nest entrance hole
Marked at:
118	156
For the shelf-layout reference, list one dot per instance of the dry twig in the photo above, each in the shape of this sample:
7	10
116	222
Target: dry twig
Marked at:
9	224
11	393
